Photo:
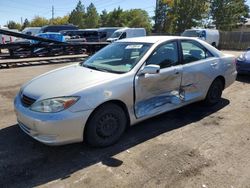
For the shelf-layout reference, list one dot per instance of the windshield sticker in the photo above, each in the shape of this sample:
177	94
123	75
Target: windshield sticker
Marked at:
136	46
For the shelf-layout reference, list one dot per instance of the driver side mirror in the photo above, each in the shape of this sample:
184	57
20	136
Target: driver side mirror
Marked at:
150	69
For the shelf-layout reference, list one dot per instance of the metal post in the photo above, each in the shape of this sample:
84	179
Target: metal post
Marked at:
53	13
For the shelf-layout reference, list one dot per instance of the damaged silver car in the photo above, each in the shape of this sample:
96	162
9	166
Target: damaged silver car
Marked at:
124	83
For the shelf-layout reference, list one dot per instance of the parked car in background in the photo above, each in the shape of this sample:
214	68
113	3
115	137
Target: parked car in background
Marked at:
106	32
89	35
57	28
243	63
211	36
28	31
51	35
127	33
124	83
31	30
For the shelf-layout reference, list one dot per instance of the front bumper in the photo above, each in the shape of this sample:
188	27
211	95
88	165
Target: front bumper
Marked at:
51	128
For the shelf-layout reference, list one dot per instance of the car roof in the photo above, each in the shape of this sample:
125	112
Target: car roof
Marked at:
152	39
70	25
160	39
93	29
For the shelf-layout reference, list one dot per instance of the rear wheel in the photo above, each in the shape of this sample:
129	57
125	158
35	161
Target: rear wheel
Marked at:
105	126
214	93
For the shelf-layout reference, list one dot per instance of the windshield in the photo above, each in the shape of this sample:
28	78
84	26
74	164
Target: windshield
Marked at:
117	57
32	31
191	33
116	34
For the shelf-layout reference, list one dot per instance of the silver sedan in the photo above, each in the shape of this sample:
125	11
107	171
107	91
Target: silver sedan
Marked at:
124	83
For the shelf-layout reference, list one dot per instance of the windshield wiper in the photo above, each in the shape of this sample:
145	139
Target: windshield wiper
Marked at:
109	70
102	69
114	71
94	67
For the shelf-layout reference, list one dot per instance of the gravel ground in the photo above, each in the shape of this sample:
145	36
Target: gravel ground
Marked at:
194	146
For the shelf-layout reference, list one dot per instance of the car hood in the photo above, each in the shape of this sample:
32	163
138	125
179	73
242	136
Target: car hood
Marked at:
64	82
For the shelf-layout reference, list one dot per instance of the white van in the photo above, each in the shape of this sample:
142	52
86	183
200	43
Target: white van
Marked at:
106	32
211	36
127	33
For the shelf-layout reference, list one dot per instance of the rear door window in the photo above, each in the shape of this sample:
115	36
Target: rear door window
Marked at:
193	51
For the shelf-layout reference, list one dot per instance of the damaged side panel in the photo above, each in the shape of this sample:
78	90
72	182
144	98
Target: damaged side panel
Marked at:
157	104
159	92
197	78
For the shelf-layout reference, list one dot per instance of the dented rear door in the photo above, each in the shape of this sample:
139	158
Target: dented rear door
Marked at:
199	70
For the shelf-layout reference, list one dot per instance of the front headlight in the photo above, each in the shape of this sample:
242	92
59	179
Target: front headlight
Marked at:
54	104
241	57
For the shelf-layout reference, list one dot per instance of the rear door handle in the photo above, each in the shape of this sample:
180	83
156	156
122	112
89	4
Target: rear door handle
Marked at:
176	71
214	64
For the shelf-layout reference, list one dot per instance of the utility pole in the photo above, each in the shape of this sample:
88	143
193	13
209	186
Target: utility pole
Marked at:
53	13
156	5
21	20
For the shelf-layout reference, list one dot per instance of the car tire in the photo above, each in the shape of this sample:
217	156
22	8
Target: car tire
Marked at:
105	126
214	93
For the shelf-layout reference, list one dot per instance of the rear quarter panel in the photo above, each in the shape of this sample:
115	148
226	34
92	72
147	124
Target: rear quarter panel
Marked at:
228	69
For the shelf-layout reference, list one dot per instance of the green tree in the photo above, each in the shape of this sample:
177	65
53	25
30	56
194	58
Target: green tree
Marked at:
39	22
61	20
92	17
138	18
160	17
117	18
104	18
13	25
227	14
77	16
174	16
26	23
184	14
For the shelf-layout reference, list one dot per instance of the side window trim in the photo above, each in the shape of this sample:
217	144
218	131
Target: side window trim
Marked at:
164	43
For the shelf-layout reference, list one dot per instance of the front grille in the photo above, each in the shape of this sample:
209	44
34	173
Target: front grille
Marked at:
27	101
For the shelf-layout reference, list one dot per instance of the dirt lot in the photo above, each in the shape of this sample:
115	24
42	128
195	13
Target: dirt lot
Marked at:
191	147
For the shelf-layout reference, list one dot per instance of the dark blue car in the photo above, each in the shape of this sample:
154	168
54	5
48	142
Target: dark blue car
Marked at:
243	63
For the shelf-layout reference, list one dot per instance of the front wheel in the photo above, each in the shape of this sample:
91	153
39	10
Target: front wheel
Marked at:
214	93
105	126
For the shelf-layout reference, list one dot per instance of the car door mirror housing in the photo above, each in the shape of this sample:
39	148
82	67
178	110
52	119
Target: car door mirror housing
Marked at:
150	69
